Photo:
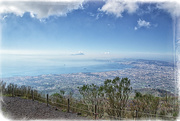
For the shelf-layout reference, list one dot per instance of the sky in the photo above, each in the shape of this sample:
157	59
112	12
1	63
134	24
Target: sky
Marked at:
88	29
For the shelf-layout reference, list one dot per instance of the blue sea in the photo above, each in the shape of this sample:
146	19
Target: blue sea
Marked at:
33	67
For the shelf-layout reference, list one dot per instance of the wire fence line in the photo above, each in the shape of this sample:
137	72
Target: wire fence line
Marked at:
97	111
126	110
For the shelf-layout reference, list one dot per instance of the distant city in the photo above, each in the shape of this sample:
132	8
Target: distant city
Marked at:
142	73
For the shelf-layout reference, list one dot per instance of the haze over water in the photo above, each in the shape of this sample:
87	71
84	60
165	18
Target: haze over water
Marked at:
34	67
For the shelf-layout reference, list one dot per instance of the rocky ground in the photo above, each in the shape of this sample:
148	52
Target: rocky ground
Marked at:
18	108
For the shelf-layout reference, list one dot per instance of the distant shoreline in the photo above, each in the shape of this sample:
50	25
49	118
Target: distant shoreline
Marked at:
143	74
111	65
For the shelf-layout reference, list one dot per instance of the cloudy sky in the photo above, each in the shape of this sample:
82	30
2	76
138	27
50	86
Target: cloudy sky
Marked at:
84	29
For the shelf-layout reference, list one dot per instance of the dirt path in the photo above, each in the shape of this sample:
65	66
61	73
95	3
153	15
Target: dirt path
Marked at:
18	108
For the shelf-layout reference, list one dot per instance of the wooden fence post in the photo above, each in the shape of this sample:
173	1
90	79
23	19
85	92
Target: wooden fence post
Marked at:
136	114
32	95
47	99
95	112
76	107
12	91
62	102
68	106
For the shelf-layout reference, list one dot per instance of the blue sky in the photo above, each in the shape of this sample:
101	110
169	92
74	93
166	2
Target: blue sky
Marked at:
83	29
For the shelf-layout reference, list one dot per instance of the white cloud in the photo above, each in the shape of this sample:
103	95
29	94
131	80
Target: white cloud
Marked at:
171	7
45	8
40	8
117	7
99	15
79	53
142	23
32	15
106	53
3	17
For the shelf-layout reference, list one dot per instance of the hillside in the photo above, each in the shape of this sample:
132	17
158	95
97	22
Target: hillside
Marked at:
19	108
96	102
155	92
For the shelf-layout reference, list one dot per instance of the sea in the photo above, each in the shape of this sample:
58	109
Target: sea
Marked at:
14	68
30	65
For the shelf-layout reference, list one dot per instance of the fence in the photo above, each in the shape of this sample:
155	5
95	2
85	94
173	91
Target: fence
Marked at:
94	111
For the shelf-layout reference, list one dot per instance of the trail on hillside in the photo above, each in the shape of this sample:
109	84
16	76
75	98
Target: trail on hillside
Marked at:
18	108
